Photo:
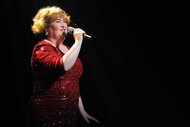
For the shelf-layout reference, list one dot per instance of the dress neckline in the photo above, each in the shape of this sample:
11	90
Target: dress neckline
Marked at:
46	40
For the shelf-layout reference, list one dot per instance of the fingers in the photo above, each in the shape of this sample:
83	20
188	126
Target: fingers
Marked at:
88	117
79	31
87	120
93	118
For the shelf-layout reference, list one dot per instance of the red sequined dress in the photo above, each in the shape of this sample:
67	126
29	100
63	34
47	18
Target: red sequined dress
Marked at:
56	92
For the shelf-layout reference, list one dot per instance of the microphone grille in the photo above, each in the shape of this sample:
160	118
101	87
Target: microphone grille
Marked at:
70	30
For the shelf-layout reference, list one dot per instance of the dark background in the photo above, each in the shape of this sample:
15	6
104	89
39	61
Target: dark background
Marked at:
135	65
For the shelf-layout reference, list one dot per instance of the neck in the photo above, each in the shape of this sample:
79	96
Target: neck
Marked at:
54	42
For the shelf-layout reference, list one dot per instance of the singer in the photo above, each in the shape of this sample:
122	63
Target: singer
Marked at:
57	70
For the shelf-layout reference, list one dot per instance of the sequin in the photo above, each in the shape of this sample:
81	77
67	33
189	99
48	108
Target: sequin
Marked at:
56	91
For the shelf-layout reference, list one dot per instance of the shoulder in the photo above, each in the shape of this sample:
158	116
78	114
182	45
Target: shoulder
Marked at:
43	45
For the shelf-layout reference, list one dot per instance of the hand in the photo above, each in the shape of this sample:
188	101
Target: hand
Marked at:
78	34
85	115
88	117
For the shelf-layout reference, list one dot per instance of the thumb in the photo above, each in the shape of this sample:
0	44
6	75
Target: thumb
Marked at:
86	119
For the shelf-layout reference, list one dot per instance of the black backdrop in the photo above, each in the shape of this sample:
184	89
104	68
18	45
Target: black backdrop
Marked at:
132	73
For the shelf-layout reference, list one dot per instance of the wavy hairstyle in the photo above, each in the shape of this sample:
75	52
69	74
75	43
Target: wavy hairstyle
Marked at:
45	16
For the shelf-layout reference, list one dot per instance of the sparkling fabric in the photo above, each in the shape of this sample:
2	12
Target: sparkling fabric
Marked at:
56	92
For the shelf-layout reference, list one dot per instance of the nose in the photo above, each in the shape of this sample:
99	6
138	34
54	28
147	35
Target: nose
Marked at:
63	24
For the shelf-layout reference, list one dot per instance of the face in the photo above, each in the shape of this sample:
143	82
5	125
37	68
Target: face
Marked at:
58	29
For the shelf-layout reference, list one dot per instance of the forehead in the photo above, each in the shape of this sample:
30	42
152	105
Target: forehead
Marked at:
57	16
64	19
61	18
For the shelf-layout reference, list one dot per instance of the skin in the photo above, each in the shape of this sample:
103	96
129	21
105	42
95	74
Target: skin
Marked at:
57	32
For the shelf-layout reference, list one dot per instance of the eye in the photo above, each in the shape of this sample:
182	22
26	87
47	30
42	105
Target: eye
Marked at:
65	20
58	21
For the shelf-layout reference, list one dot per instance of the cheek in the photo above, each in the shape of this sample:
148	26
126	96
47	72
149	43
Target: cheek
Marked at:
55	28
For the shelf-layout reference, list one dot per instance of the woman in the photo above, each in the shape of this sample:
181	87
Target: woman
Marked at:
57	71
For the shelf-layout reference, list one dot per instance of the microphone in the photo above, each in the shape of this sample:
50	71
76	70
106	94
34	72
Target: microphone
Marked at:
71	29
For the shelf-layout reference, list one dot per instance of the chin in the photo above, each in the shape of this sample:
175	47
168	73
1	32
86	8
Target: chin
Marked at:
64	34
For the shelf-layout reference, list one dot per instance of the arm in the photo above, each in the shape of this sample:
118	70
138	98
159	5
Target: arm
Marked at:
85	115
70	57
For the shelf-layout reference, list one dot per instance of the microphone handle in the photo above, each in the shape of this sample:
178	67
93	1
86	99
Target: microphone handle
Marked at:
70	31
87	36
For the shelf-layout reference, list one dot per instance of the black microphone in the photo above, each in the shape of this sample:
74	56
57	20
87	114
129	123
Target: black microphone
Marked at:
70	31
